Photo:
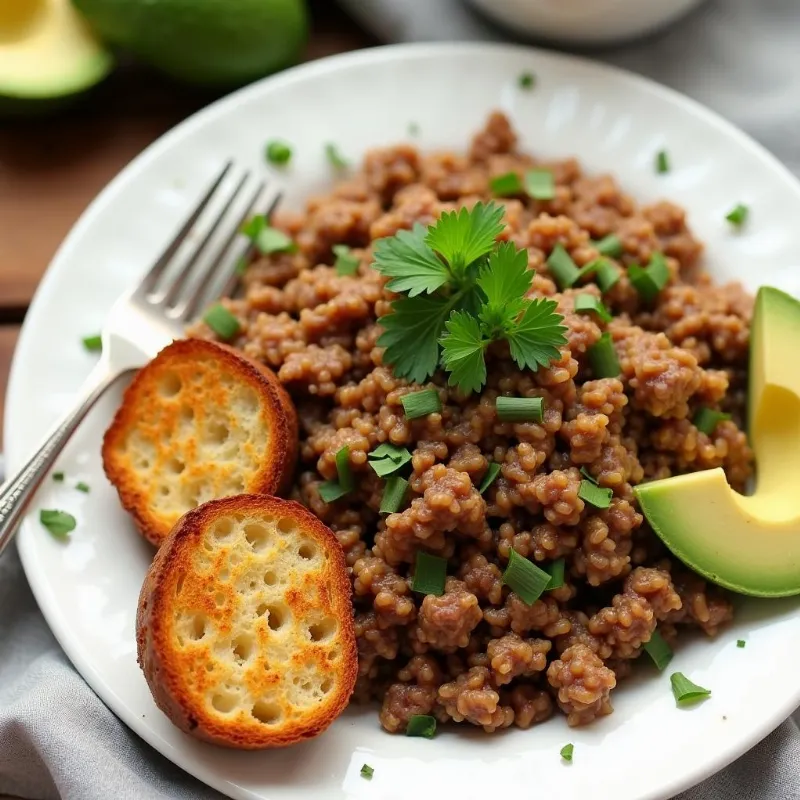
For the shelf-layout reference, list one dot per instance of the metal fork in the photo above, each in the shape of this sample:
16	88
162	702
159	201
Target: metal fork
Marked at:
148	317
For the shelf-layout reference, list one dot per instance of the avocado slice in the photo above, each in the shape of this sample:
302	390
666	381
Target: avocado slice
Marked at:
749	544
47	54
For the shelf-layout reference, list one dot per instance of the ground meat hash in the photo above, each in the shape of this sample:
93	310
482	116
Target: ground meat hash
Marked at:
479	654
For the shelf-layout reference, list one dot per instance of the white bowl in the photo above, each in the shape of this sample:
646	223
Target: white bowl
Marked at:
585	21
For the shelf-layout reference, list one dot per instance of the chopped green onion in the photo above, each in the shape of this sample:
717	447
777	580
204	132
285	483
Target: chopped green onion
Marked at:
687	693
59	523
566	752
278	152
588	475
520	409
649	281
740	642
539	184
253	226
556	571
367	772
346	480
421	725
58	477
331	490
527	80
422	403
506	184
94	344
82	487
413	129
610	245
737	216
241	266
271	240
706	419
430	573
606	274
662	162
222	322
525	578
590	303
562	267
388	458
490	477
335	158
658	650
603	358
346	263
394	494
595	495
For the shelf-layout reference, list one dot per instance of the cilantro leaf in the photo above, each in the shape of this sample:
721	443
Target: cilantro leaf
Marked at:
505	281
462	237
462	352
410	263
535	340
411	335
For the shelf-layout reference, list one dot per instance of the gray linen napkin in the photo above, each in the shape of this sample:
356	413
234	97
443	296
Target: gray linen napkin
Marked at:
57	740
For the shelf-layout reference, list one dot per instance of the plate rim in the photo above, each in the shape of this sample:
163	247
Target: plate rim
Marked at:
308	70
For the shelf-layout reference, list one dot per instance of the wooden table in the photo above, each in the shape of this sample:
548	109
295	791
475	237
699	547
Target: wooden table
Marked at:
51	168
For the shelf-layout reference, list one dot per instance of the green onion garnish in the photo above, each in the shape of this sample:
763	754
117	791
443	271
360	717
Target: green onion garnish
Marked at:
421	725
82	487
367	772
394	493
556	571
490	477
346	480
706	419
658	650
527	80
59	523
539	184
413	129
687	693
346	263
222	322
422	403
506	184
588	475
606	274
525	578
271	240
58	477
603	358
737	216
388	458
331	490
94	344
662	162
649	281
253	226
589	303
520	409
562	267
595	495
740	643
610	245
278	152
566	752
335	158
430	573
241	265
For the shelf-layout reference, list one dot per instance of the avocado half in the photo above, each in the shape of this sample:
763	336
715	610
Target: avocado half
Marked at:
749	544
47	55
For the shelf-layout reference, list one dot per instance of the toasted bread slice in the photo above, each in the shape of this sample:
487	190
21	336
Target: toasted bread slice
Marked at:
199	422
245	625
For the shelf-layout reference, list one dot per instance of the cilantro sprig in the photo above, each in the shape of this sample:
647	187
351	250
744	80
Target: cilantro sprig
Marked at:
460	291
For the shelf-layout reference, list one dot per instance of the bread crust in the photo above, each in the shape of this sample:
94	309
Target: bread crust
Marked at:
179	675
148	413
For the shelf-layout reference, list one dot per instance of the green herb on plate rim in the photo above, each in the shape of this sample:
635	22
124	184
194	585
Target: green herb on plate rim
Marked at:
222	322
525	578
82	487
335	158
278	153
367	772
490	477
540	184
394	494
506	184
662	162
740	643
58	477
603	358
346	263
420	404
595	495
706	419
610	245
556	571
93	344
687	693
588	303
388	458
737	216
59	523
520	409
566	752
658	650
421	725
526	81
430	573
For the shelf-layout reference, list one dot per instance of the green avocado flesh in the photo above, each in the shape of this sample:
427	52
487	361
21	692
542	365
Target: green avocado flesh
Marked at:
46	52
748	544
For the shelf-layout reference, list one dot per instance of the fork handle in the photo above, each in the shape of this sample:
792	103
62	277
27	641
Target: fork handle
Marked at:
17	491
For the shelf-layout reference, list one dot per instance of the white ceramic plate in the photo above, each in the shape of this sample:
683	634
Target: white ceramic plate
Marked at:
88	589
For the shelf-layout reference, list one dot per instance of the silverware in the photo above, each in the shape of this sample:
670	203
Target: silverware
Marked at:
149	316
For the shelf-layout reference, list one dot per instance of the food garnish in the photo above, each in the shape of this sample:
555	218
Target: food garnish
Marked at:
58	477
265	238
430	573
421	725
394	494
610	245
520	409
706	419
222	322
662	162
420	404
740	642
278	152
525	578
588	303
527	80
687	693
82	487
388	458
737	216
566	752
490	477
335	158
658	650
595	495
556	571
94	343
603	358
346	263
650	280
540	184
367	772
59	523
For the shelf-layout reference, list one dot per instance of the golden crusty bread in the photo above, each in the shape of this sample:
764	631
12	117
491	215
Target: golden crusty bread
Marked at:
245	624
199	422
